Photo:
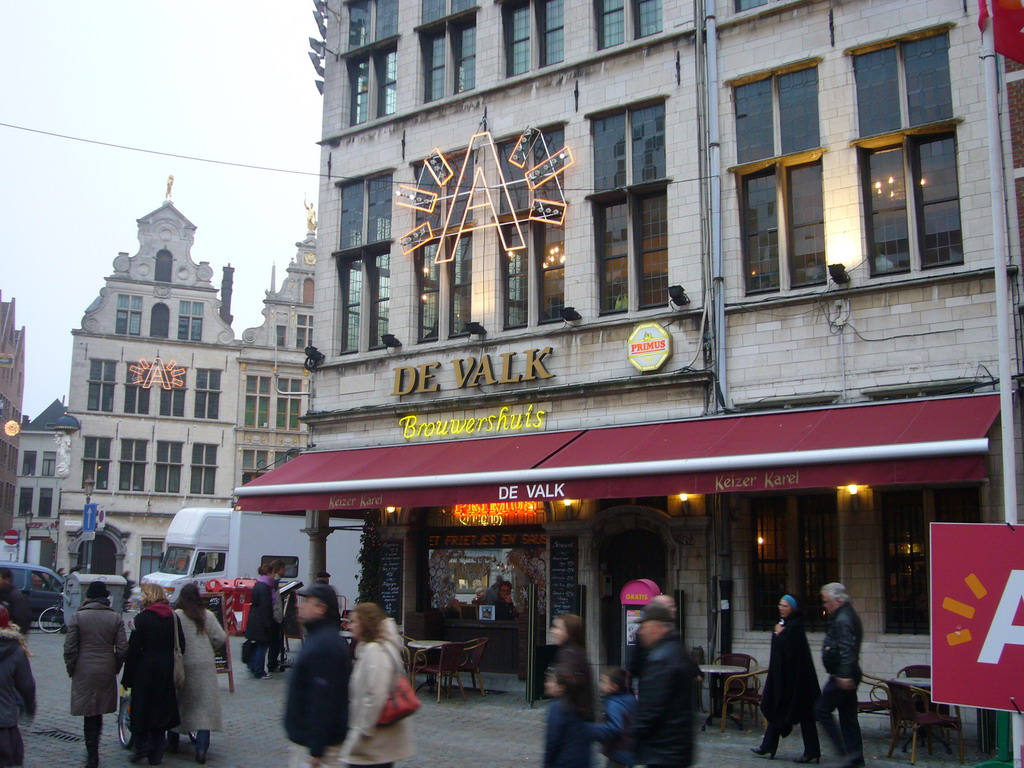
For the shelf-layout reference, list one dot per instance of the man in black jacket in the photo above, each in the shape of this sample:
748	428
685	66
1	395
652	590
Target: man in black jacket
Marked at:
840	655
663	722
15	601
316	715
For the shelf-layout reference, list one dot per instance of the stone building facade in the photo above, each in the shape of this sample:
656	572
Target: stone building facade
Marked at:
666	287
160	386
12	393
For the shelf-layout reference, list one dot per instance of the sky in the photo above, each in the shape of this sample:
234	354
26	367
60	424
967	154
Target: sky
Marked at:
204	78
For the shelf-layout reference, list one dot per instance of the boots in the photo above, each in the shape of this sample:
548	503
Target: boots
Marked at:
92	728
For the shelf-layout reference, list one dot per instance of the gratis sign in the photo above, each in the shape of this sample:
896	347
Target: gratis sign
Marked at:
977	590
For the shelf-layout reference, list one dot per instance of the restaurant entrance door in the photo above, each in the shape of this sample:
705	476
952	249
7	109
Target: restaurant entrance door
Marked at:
629	555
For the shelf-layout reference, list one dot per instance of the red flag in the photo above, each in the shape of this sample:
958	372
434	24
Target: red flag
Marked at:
1007	24
982	15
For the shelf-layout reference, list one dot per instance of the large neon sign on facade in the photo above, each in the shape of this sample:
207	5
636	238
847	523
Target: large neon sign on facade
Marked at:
465	200
167	375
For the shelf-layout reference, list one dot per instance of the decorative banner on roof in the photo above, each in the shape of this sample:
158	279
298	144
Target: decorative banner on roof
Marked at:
523	185
167	375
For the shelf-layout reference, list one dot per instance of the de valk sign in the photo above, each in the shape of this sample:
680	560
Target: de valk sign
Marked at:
977	590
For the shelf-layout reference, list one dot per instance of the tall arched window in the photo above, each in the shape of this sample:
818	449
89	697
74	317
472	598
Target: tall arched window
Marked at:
159	321
307	291
164	263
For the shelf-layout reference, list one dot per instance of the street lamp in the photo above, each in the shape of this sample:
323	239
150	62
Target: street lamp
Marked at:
86	562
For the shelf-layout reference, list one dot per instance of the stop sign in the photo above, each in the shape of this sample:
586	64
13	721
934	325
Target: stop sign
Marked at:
11	536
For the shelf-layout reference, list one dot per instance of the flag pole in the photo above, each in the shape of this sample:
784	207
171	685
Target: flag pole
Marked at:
997	186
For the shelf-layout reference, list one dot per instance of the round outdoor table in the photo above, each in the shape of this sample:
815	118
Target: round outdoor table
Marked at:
917	682
716	674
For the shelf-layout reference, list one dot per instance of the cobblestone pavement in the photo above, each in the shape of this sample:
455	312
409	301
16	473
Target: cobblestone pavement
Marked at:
499	730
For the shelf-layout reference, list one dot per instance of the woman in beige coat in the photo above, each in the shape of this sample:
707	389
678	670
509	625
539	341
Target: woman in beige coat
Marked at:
378	662
94	650
199	698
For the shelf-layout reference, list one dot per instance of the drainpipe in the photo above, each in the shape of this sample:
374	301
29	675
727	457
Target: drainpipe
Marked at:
715	183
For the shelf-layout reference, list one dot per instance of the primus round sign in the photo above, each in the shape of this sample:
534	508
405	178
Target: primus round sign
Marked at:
649	346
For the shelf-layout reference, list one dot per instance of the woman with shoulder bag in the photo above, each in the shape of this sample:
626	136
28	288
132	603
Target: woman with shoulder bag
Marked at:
378	663
199	697
149	672
94	650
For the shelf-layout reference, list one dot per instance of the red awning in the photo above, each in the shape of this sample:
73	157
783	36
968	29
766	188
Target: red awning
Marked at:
923	441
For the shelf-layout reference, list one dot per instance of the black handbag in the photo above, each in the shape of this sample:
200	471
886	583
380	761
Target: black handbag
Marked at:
247	650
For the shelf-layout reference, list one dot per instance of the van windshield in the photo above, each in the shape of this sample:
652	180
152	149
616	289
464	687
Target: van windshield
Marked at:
176	561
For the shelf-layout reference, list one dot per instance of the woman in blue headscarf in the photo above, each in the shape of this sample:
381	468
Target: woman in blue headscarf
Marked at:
791	687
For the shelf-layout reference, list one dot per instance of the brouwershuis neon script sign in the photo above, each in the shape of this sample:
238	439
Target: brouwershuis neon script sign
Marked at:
167	375
467	198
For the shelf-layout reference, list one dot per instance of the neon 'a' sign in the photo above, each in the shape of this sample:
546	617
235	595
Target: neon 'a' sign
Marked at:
466	198
146	374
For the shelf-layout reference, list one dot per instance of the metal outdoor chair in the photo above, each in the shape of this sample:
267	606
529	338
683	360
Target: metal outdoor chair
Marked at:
744	690
448	657
912	708
473	652
877	701
915	670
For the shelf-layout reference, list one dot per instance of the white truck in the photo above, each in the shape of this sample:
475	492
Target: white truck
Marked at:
204	543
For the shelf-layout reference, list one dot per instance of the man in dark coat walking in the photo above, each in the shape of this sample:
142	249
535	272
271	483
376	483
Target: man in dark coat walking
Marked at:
316	715
259	627
663	723
840	655
15	601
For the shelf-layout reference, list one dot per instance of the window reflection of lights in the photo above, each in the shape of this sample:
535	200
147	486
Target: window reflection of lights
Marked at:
554	256
760	541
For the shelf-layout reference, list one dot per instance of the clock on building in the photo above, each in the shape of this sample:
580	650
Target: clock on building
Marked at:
310	258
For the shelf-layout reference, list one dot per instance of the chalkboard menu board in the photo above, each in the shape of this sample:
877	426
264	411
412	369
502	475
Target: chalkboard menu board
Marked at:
391	578
214	602
563	575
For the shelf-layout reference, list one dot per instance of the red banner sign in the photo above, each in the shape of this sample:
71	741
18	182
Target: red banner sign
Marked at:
977	587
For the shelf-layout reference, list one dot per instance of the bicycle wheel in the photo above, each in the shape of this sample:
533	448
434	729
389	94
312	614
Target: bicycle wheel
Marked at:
124	721
52	619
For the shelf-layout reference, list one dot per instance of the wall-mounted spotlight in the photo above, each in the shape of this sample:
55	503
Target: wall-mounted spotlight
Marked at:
390	340
853	490
319	86
678	295
314	358
316	62
570	315
567	503
838	273
476	329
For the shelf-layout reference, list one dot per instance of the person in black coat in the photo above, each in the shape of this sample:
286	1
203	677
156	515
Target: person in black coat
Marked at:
259	627
316	715
149	673
15	601
571	660
663	722
791	686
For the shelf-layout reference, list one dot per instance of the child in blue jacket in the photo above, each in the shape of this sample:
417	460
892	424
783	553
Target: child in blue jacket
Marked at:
567	742
615	733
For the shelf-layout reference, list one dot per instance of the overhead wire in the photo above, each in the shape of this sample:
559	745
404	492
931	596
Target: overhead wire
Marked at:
251	166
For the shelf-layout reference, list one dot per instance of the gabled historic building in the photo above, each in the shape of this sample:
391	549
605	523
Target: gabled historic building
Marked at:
163	397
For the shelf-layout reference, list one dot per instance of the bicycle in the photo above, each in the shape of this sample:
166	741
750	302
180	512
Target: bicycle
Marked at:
52	619
124	719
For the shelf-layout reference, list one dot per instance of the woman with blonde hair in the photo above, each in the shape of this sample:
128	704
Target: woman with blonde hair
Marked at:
149	672
378	663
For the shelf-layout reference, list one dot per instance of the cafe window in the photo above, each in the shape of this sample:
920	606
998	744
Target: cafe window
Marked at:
795	551
905	517
465	561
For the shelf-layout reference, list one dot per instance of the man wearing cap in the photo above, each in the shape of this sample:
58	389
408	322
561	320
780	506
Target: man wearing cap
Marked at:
663	723
316	714
94	650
